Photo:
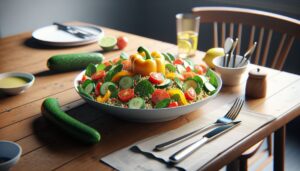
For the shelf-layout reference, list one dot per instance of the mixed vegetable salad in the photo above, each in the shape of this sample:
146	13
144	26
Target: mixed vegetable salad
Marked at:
147	80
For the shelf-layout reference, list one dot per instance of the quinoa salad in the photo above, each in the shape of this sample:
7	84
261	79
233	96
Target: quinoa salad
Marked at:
147	80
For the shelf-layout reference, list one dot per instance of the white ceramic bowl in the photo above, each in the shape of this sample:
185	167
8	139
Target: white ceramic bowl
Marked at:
19	89
10	151
231	76
146	115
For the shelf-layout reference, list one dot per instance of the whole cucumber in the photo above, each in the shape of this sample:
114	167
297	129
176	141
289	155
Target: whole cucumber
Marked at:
76	61
52	112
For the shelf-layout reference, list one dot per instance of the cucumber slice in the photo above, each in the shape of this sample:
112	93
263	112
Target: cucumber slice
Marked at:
209	87
180	69
136	103
165	84
89	88
189	83
104	87
126	82
85	83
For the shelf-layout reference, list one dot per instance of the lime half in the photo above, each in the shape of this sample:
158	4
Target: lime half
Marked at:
108	43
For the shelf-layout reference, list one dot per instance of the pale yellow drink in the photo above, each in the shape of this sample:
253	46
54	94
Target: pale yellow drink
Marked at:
187	42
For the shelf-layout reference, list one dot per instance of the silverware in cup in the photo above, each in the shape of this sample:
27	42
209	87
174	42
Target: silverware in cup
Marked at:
247	55
228	118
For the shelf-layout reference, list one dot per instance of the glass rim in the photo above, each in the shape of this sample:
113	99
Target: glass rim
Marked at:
187	16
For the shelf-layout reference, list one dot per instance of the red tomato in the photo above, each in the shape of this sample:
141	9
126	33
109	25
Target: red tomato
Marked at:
156	78
173	104
116	60
97	89
122	42
107	63
204	67
126	94
190	94
126	65
188	69
178	61
198	69
98	75
158	95
84	77
188	75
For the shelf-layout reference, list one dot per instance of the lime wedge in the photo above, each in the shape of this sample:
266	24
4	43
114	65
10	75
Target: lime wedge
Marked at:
185	46
108	43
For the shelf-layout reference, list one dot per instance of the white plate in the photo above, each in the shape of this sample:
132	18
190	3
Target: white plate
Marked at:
147	115
51	35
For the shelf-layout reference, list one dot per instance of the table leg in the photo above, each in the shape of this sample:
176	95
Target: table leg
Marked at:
279	149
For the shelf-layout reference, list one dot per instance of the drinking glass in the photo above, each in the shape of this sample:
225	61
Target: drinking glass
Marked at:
187	34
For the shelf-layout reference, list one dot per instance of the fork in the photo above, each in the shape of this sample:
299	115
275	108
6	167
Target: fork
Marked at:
226	119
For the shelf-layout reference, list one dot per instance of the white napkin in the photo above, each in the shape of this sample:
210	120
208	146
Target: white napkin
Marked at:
140	156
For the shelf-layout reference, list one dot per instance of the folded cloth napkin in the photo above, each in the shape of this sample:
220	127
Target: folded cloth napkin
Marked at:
131	158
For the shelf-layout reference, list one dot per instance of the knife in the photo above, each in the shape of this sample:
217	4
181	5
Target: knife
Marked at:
189	149
74	30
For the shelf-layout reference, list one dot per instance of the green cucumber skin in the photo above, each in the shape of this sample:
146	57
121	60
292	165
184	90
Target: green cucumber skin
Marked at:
76	61
52	111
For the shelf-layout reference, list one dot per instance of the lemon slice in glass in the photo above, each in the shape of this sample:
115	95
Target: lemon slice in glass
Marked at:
108	43
184	46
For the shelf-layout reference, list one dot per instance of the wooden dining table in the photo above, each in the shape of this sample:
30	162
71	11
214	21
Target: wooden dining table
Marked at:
45	147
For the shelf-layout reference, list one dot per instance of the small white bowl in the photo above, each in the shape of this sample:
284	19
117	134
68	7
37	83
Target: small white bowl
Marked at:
19	89
231	76
10	151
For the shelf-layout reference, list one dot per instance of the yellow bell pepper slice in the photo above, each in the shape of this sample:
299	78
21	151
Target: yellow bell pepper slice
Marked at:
160	61
104	98
142	66
120	74
172	75
182	99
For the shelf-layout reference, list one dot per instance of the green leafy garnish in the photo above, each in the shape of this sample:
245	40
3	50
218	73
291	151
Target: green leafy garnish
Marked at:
107	68
167	58
171	56
83	93
90	70
124	56
113	71
212	78
163	103
114	91
175	97
178	82
144	88
137	77
100	67
171	67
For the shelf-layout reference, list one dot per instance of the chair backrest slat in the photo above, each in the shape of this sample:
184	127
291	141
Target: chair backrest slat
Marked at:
285	53
252	33
231	29
259	44
223	33
273	65
240	30
267	47
215	28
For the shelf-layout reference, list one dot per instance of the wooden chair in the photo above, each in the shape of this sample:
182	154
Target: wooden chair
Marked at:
262	22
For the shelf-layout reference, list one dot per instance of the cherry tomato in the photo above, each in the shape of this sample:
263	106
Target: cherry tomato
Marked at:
156	78
178	61
116	60
84	77
126	94
126	65
122	42
173	104
188	69
98	75
188	75
198	69
190	94
158	95
107	63
97	89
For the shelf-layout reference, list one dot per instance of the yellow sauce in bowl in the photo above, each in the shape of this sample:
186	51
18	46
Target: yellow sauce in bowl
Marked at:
12	82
